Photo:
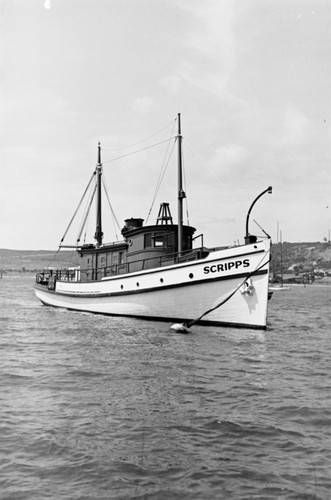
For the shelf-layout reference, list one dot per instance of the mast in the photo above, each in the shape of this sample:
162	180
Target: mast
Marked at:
181	193
281	258
98	231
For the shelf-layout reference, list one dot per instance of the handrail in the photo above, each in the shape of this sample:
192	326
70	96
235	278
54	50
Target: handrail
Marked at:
199	236
116	269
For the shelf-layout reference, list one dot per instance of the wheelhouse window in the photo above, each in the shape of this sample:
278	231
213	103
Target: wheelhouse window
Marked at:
148	240
159	241
152	240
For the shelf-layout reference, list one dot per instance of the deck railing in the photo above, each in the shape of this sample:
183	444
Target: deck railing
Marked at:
49	276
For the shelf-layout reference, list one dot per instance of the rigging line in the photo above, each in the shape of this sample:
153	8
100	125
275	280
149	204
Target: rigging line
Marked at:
162	172
160	179
86	210
84	220
188	324
140	142
166	162
267	235
87	213
185	190
138	151
214	175
54	256
86	229
79	204
111	208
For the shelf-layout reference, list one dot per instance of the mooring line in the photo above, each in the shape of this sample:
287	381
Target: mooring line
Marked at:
192	322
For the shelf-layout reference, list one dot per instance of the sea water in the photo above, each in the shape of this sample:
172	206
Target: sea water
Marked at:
94	407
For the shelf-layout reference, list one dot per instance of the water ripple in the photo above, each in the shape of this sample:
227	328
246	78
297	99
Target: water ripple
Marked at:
109	408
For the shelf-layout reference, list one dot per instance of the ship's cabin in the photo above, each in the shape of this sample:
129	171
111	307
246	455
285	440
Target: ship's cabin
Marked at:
142	248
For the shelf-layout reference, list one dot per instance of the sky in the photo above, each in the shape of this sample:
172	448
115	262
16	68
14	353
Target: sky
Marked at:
250	78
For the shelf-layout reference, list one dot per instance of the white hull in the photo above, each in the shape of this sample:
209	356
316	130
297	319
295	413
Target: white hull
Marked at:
178	292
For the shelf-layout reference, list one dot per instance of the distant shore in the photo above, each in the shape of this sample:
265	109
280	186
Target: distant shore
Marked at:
318	282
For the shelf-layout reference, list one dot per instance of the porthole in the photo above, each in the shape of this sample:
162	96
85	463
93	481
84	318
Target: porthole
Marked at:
161	279
137	284
191	275
122	287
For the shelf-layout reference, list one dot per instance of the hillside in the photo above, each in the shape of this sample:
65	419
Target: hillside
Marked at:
34	260
303	256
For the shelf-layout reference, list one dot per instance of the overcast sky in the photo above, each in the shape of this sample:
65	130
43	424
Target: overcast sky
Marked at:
251	78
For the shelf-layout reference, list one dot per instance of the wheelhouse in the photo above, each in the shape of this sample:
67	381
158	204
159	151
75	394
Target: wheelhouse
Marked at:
143	247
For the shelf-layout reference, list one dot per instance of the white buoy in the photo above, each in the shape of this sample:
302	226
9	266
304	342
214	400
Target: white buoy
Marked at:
179	328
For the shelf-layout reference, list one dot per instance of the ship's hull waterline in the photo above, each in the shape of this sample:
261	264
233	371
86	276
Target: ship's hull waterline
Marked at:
180	292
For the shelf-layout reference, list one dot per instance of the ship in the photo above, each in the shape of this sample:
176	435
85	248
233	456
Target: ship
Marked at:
158	272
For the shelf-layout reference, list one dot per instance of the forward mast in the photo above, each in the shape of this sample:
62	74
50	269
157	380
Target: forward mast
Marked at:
181	192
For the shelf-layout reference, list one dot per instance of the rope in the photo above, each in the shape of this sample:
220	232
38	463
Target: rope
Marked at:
86	215
54	257
185	189
160	178
143	140
79	204
224	186
86	229
137	151
115	221
192	322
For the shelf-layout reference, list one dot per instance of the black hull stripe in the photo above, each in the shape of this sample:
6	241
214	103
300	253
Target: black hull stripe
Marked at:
147	290
175	266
